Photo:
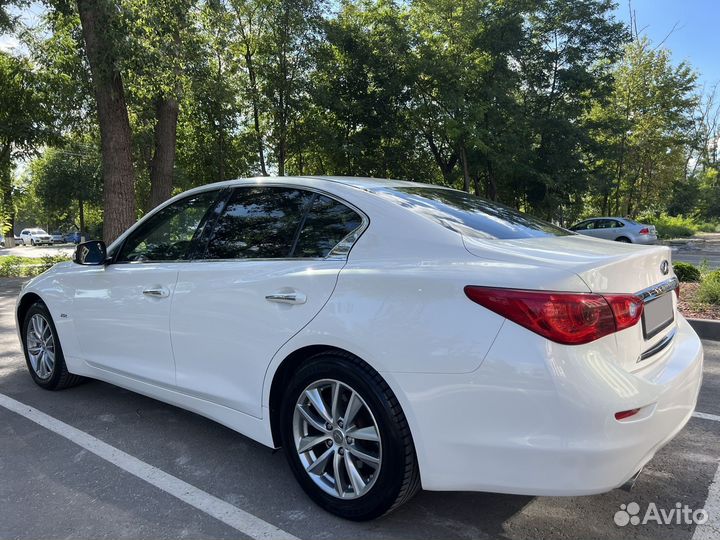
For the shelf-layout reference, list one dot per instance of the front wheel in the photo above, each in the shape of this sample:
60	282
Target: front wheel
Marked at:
32	242
43	353
346	438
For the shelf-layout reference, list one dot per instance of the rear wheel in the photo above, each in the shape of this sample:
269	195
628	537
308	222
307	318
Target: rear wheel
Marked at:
623	239
346	438
43	353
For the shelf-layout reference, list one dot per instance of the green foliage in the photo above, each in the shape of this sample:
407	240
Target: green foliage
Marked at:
707	227
670	226
547	106
712	276
686	272
17	266
708	292
24	126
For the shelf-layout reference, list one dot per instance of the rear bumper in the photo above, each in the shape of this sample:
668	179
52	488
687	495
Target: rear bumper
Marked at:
646	239
538	419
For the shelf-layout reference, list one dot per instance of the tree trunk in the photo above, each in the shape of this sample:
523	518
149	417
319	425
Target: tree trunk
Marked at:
491	189
446	165
163	160
250	64
81	214
7	209
115	136
466	172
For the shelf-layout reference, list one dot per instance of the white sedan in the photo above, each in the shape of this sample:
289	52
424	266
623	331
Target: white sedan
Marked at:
35	237
389	335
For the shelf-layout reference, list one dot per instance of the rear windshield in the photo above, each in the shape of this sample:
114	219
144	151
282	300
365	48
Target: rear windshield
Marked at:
470	215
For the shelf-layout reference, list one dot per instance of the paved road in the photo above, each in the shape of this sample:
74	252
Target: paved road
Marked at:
703	248
52	488
39	251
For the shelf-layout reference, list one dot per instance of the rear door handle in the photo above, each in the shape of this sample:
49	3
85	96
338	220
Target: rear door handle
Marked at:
157	292
282	297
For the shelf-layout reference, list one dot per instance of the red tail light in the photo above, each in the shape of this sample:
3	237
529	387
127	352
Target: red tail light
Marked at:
622	415
644	230
567	318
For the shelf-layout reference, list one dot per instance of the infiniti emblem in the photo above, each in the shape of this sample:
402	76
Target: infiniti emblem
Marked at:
664	267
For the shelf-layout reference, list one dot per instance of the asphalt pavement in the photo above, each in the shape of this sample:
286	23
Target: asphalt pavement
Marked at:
121	465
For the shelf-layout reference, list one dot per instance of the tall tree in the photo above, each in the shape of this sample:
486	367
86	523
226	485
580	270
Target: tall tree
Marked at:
102	37
23	128
162	38
67	180
647	128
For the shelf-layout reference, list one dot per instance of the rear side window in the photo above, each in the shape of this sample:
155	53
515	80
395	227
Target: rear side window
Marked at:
327	223
258	223
470	215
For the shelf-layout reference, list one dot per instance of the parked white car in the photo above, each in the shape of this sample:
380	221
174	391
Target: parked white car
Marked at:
389	335
35	237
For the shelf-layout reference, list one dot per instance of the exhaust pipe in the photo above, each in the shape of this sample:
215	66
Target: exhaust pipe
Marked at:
630	483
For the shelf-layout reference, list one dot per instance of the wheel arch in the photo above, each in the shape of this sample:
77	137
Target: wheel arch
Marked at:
623	238
282	374
297	358
27	300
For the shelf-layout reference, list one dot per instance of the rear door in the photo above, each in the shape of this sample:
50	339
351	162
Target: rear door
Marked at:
270	264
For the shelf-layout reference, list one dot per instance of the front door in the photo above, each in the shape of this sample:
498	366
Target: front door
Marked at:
121	311
270	265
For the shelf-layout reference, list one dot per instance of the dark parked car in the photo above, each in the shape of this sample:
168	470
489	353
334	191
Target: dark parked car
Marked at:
57	237
73	237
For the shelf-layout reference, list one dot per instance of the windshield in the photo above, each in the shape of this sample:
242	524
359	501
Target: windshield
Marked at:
38	231
470	215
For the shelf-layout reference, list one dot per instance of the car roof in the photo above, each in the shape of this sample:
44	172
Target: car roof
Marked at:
359	182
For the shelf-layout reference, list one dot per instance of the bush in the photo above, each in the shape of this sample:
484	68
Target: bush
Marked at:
16	266
709	292
671	226
707	227
712	276
686	272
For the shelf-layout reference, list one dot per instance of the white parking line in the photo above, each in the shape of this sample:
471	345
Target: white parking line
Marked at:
706	416
238	519
711	528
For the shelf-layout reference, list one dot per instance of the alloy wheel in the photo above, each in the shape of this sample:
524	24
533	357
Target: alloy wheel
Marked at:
41	346
337	439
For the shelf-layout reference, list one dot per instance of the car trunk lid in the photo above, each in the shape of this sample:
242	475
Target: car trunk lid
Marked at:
606	268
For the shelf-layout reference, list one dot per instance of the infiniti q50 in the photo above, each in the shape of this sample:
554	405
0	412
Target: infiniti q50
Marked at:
388	335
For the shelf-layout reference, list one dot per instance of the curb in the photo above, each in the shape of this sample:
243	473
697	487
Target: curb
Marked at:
706	328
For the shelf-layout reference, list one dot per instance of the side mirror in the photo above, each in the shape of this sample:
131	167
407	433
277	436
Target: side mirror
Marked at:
93	253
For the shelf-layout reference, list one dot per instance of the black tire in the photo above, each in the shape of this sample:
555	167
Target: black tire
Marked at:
59	377
624	240
398	479
32	242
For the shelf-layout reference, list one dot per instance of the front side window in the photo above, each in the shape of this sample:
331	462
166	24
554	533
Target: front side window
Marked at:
258	222
167	234
327	223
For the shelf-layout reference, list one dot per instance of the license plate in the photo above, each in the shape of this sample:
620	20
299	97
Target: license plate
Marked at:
658	314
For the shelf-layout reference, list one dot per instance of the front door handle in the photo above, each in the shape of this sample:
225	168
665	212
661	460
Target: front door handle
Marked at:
283	297
157	292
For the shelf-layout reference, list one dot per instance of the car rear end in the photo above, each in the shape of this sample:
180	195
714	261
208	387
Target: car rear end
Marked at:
644	234
580	388
586	378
